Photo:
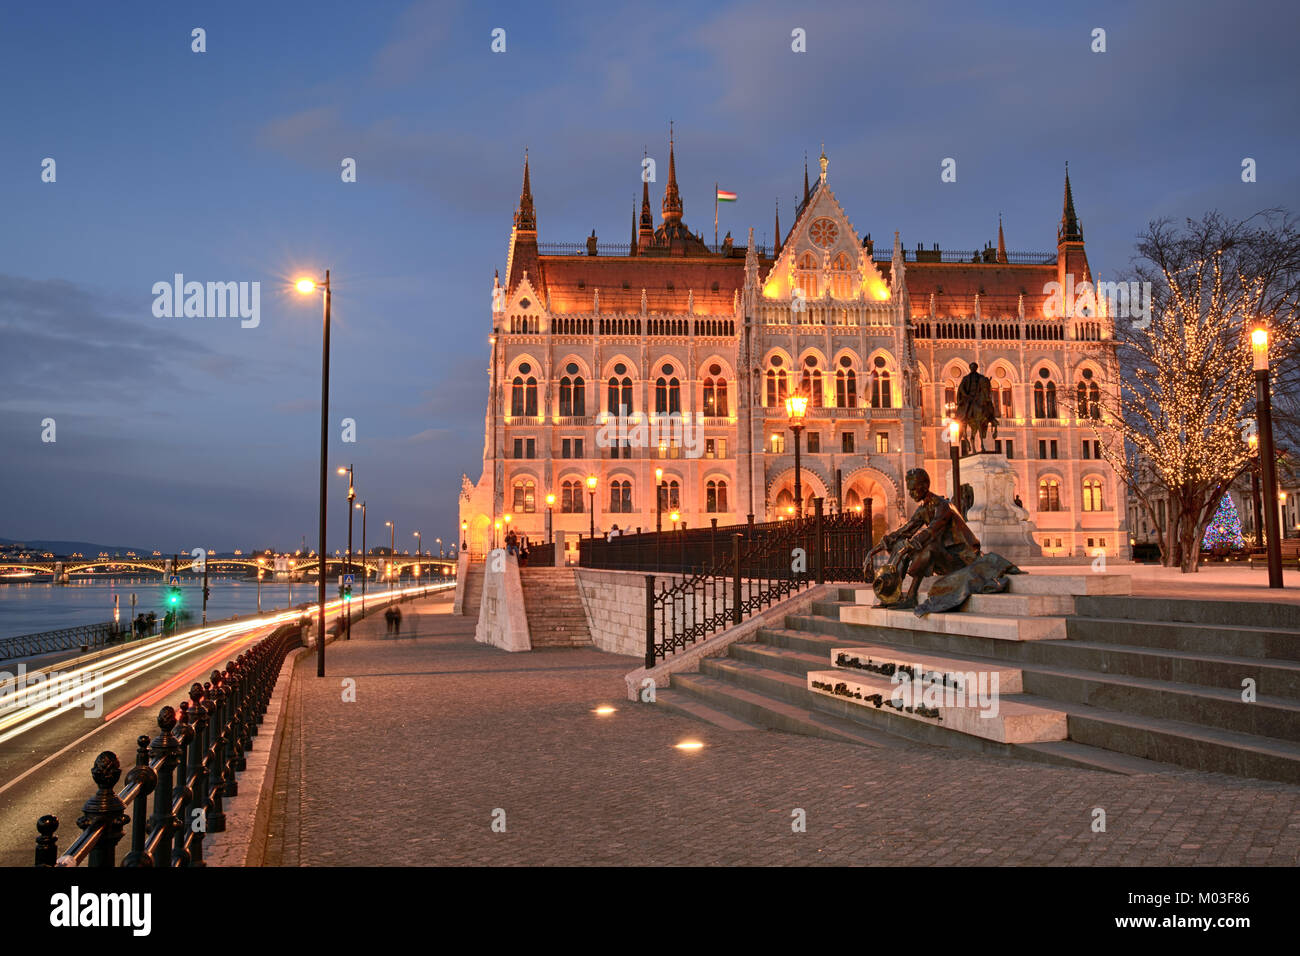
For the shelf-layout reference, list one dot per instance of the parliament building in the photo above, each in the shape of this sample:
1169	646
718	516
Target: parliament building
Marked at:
665	353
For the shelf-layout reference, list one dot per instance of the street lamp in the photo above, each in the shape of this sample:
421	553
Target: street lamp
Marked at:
365	555
306	287
954	451
591	491
795	406
440	551
1268	458
419	544
347	605
464	535
550	517
392	550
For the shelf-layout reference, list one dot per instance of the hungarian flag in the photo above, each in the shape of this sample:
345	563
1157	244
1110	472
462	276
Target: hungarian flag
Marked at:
724	196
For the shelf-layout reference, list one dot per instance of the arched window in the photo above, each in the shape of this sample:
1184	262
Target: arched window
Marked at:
1087	396
784	502
841	278
810	382
806	275
1002	393
619	399
571	497
668	393
566	396
1092	494
1044	395
778	383
517	395
674	493
846	387
715	496
620	496
715	394
1049	494
882	394
525	496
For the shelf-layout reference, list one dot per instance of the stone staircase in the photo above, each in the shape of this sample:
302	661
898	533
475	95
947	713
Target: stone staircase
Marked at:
1066	669
473	588
556	617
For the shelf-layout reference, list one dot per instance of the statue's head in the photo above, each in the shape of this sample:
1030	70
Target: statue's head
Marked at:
974	366
918	483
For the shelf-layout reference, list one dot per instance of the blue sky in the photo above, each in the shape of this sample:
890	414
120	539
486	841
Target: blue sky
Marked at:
224	166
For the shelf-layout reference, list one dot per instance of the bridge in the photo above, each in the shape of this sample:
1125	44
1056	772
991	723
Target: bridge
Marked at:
377	564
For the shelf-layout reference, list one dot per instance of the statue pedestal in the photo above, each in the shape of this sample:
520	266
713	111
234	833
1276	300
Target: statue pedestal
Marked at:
1002	527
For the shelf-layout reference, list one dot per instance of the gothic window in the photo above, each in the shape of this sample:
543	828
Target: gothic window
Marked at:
1088	396
566	396
882	395
525	496
571	497
841	278
806	275
1049	495
1092	494
810	382
620	393
668	393
715	496
620	496
846	385
778	385
1002	393
517	396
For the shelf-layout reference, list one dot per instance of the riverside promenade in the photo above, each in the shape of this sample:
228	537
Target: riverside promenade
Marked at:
447	736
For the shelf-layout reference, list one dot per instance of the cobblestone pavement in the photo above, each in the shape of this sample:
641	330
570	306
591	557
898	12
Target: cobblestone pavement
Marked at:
446	732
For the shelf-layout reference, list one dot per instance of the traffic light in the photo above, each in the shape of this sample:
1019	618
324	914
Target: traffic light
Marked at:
207	592
174	597
347	593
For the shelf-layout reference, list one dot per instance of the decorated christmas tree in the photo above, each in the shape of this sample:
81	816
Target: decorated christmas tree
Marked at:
1224	530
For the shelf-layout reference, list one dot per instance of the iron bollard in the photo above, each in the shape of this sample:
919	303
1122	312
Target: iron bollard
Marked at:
217	729
199	771
47	840
166	751
143	775
650	621
105	809
184	793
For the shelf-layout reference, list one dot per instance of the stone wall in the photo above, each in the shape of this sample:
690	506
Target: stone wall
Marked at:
615	606
462	580
502	621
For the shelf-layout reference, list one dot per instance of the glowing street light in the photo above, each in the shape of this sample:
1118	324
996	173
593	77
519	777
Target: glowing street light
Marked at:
591	493
1268	457
306	286
796	406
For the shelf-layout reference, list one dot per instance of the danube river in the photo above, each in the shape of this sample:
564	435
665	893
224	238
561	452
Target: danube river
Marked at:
31	608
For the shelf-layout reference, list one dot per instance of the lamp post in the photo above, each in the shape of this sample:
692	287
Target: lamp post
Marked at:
307	286
550	518
954	451
1257	516
796	406
464	535
438	541
659	500
392	550
1268	459
591	493
365	571
347	605
419	545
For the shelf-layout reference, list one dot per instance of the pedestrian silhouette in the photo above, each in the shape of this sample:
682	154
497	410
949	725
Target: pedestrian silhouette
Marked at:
397	620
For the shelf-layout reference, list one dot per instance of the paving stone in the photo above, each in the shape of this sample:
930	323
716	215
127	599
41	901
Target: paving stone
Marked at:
444	731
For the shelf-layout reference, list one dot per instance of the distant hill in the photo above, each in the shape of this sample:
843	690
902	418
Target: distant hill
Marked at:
68	547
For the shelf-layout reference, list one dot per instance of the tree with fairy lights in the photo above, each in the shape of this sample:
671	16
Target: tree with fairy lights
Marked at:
1173	425
1224	530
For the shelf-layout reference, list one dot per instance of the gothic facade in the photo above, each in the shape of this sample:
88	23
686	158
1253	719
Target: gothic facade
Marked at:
664	353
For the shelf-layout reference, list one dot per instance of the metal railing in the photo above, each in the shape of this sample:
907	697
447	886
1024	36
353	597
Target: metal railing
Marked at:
82	637
189	768
723	575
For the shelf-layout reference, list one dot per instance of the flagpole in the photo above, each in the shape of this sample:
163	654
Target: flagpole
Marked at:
715	217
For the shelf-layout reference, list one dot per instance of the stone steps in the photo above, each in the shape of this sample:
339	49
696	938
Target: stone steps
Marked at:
1089	688
556	615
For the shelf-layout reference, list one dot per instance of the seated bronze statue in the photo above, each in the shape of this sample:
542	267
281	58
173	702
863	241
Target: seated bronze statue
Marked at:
935	540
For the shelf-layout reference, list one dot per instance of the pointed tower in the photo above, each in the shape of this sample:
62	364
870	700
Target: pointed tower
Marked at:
672	207
806	193
631	250
646	233
1071	260
1002	243
776	246
523	239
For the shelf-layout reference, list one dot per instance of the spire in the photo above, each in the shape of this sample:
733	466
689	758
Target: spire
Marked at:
824	162
1002	243
672	208
631	250
806	193
525	215
776	245
1070	230
647	217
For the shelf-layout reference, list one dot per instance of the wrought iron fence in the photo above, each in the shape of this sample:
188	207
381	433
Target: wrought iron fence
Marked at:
85	636
723	575
189	768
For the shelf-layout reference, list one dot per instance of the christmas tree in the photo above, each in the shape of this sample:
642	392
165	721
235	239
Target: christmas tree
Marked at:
1224	529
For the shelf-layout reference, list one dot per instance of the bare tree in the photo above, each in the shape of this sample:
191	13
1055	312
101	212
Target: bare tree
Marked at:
1176	427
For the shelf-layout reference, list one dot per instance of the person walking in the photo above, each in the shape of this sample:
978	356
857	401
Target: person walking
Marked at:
397	621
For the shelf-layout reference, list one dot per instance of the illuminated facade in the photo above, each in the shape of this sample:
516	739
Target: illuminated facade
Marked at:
666	353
